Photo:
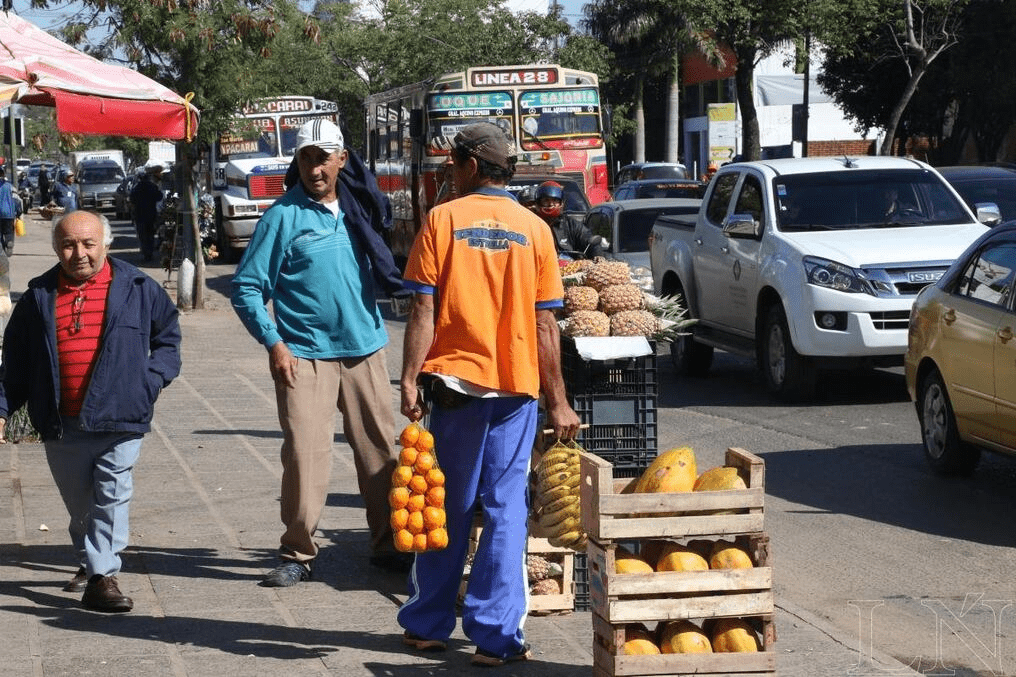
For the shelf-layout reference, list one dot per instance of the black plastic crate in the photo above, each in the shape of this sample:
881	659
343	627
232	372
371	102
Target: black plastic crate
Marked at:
624	376
618	400
581	580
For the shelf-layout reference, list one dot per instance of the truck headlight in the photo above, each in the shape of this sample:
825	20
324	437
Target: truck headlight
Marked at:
832	275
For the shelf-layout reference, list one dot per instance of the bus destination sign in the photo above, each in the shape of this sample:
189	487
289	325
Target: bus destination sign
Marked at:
509	77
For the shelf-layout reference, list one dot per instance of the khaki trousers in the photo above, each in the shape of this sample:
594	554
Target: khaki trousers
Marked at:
360	388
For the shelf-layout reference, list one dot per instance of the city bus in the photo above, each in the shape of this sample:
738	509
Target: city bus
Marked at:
248	163
554	114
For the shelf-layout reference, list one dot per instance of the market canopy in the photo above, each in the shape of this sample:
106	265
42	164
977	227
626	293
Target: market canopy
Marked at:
90	96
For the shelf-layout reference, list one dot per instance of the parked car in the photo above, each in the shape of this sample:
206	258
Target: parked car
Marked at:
650	170
650	188
97	181
575	201
960	356
979	184
626	225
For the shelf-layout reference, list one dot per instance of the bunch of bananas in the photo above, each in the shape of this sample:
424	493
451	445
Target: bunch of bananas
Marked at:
556	506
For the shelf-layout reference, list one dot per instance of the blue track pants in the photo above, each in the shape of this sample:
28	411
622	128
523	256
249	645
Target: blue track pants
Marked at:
484	450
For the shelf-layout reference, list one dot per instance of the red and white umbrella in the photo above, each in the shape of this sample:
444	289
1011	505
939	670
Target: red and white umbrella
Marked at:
90	96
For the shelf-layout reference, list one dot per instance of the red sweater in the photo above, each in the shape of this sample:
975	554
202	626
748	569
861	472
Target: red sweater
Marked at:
80	311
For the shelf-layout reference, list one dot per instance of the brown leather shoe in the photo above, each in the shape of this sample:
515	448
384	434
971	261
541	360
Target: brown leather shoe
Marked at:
78	583
103	594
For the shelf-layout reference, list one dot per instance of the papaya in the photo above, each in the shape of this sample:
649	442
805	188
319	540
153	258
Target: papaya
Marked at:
727	555
627	562
638	641
722	478
671	471
734	635
677	557
684	637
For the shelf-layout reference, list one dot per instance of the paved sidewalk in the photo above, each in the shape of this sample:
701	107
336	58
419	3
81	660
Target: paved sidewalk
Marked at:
205	528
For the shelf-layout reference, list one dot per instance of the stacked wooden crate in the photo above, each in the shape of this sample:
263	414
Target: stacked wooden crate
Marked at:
612	518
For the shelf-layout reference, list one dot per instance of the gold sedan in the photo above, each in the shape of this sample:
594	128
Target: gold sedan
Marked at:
961	356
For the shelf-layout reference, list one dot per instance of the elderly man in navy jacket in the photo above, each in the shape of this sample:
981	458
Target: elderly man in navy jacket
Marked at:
89	347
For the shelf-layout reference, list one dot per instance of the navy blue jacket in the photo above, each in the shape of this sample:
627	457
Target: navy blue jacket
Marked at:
368	214
139	354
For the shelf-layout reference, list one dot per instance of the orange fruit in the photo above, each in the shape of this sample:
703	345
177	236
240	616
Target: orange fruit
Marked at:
437	539
424	463
399	519
435	477
435	497
403	540
410	434
420	542
415	523
416	502
401	475
398	497
418	484
425	441
433	518
408	456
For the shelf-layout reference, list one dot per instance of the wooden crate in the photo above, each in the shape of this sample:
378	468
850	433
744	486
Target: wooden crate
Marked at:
673	595
539	605
609	638
610	515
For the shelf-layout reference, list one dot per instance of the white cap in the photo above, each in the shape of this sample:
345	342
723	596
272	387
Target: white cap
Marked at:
322	133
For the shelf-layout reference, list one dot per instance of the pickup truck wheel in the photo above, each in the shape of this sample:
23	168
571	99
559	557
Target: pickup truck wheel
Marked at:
943	449
788	374
690	357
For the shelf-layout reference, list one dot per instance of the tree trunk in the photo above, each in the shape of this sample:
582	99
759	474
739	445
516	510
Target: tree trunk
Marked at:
640	121
901	105
189	216
751	147
674	113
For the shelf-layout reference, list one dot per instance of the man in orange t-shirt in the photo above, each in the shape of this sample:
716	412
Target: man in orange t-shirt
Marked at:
482	337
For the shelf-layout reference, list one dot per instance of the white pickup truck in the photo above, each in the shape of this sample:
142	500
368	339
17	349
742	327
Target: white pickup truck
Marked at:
810	264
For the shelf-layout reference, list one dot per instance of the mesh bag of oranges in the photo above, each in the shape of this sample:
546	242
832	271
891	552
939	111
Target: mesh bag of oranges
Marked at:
417	496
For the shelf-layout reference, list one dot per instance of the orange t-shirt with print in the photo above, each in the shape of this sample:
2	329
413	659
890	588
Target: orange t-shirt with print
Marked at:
491	264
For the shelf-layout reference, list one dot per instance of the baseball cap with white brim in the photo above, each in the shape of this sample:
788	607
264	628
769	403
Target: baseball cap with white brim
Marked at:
322	133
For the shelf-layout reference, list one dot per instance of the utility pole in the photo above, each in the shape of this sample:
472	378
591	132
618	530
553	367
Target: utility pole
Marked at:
807	85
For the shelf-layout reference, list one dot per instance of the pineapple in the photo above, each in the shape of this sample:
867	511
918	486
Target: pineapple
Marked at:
587	323
617	297
578	266
604	273
634	323
580	298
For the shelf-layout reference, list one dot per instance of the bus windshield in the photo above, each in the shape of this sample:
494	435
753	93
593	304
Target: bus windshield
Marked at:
450	112
256	140
560	118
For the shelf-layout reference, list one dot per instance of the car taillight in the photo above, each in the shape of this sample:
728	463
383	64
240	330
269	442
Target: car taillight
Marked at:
600	175
266	185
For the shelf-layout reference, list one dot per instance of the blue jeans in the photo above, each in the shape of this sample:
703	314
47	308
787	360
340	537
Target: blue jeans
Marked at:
484	449
93	472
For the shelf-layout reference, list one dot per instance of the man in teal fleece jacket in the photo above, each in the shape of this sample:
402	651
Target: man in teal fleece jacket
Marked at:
325	342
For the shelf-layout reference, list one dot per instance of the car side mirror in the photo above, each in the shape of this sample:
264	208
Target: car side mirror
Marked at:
988	213
742	227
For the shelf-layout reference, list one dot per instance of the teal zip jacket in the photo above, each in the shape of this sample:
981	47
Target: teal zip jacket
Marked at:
318	278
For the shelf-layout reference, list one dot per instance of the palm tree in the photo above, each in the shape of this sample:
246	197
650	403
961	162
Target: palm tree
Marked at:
650	37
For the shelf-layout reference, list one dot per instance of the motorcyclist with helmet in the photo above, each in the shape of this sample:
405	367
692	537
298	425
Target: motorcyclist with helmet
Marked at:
571	236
